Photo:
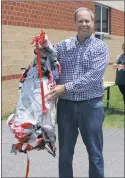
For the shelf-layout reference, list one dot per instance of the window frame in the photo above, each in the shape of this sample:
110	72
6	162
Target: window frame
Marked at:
103	33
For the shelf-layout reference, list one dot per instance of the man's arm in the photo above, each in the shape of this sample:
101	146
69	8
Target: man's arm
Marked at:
94	75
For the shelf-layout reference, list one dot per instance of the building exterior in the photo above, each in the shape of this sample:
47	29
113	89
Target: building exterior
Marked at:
22	20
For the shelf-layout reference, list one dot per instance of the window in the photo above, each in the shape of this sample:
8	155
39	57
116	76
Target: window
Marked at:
101	19
98	18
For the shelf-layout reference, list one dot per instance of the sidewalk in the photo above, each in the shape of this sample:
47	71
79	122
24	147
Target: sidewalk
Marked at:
42	164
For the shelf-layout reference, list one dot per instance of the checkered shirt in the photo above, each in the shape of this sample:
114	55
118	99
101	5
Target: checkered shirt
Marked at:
83	65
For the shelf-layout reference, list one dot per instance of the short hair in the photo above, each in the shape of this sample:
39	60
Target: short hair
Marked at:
84	9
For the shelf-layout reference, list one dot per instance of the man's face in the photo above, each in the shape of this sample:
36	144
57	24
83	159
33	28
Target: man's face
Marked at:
84	23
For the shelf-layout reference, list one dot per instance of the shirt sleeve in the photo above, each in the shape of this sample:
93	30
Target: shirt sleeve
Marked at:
57	48
94	76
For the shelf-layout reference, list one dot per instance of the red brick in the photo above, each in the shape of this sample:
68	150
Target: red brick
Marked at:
9	22
4	22
28	24
22	4
22	24
15	19
11	18
4	11
14	23
11	8
19	23
13	3
4	17
3	78
25	19
9	77
6	7
21	9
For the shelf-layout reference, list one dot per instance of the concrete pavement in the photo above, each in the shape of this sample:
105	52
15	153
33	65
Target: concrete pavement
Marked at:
43	164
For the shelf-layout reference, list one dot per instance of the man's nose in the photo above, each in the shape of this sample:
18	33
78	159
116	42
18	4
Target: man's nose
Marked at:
84	23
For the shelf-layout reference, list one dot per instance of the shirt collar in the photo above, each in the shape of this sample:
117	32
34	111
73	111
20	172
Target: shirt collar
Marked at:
77	41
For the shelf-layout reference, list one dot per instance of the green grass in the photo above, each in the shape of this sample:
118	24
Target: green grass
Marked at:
114	115
6	115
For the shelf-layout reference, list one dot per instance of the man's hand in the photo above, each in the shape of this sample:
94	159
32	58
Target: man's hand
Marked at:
55	92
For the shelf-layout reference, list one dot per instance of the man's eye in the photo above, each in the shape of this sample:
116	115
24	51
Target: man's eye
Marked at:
86	21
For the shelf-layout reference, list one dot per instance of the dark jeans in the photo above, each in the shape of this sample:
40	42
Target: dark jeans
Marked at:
122	90
88	116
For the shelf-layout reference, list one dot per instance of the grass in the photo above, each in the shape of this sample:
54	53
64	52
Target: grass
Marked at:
114	115
6	115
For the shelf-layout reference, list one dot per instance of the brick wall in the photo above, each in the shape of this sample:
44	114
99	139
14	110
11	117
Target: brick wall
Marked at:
117	22
50	15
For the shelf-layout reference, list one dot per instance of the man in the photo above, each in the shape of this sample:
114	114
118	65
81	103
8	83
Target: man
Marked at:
84	59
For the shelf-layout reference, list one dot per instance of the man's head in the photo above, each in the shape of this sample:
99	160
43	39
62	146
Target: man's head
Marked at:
84	22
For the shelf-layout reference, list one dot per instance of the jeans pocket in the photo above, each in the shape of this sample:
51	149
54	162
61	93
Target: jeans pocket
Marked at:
95	103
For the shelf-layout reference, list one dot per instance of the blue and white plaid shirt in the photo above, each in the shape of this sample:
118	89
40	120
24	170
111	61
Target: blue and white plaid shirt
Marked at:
83	65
